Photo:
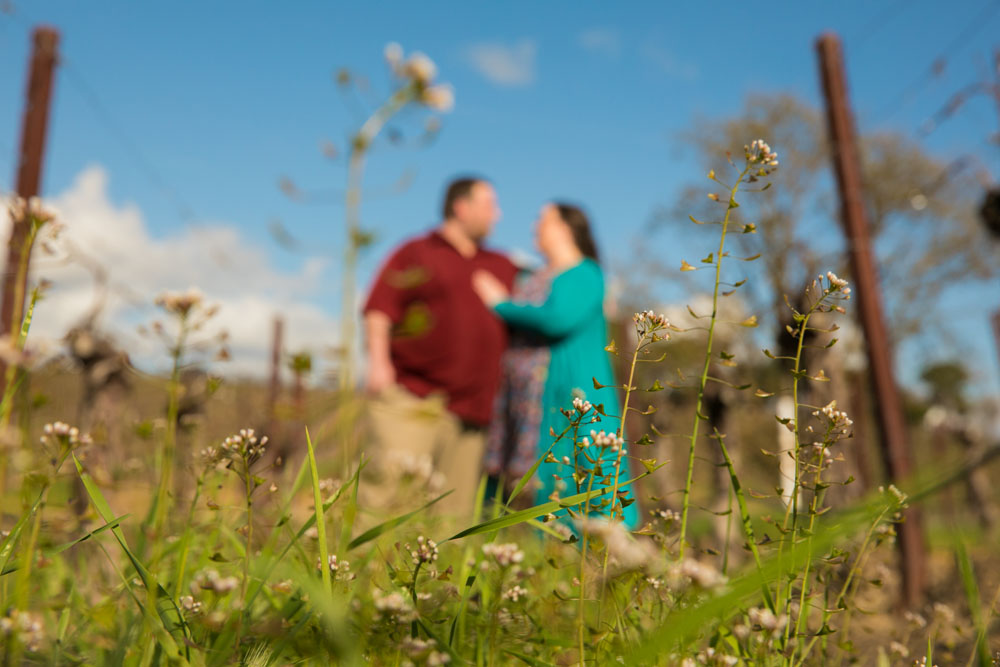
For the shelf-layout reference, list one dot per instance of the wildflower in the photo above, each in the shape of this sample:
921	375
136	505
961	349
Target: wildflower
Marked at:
393	54
437	658
835	282
394	606
420	68
224	585
942	612
582	406
515	594
766	620
180	303
340	568
212	581
426	551
898	650
30	209
667	515
701	574
916	621
628	553
504	555
606	440
759	152
741	631
647	322
440	97
188	603
284	586
327	485
25	625
244	444
61	434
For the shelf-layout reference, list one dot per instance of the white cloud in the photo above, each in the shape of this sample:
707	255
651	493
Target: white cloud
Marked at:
670	64
606	41
505	65
229	270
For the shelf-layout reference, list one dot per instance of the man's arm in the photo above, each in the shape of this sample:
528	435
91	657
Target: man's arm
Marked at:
381	374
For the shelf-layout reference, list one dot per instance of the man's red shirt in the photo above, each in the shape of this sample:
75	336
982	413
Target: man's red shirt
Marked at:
444	339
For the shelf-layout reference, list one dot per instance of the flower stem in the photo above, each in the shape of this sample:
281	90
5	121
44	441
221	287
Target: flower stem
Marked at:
708	360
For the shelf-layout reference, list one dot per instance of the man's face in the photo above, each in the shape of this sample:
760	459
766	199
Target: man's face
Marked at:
479	212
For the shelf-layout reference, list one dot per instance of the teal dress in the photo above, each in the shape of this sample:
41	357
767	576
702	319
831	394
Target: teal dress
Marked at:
572	319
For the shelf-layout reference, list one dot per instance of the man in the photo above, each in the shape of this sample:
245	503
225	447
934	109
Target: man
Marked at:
433	347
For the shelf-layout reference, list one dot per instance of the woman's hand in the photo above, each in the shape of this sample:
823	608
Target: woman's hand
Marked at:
489	288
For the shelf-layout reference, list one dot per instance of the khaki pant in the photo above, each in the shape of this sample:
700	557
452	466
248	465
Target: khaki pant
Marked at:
416	442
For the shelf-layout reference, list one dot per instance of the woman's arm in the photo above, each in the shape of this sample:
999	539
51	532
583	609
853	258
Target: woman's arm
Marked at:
574	296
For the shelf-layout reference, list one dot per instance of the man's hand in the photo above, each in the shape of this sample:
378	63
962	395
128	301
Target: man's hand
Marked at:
381	373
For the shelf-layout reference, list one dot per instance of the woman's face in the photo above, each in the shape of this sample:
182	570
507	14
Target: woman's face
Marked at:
550	230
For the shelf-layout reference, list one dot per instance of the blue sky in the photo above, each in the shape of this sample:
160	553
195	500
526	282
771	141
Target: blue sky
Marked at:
193	111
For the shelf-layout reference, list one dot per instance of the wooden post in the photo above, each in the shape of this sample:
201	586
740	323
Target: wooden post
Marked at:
889	409
45	42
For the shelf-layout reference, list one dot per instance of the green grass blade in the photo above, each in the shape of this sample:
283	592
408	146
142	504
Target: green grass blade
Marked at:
318	516
168	613
540	510
48	553
375	531
971	587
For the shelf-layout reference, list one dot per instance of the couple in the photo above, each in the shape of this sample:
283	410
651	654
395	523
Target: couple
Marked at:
470	363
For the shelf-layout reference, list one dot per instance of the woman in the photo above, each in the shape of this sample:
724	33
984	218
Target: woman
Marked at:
570	321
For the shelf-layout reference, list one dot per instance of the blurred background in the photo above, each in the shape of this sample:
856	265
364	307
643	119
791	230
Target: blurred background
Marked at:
195	145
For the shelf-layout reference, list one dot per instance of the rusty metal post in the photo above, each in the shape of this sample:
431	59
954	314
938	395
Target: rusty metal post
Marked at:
274	388
44	55
889	409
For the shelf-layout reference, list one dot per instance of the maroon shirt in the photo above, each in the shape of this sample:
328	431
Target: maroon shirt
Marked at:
444	338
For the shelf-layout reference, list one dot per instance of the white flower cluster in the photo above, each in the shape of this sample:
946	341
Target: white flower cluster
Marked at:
898	650
420	70
23	209
394	606
667	515
189	604
210	580
426	551
582	406
61	433
604	440
647	322
515	594
25	625
627	553
836	416
504	555
711	656
180	303
764	619
341	569
244	444
423	649
840	423
700	574
759	152
836	284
